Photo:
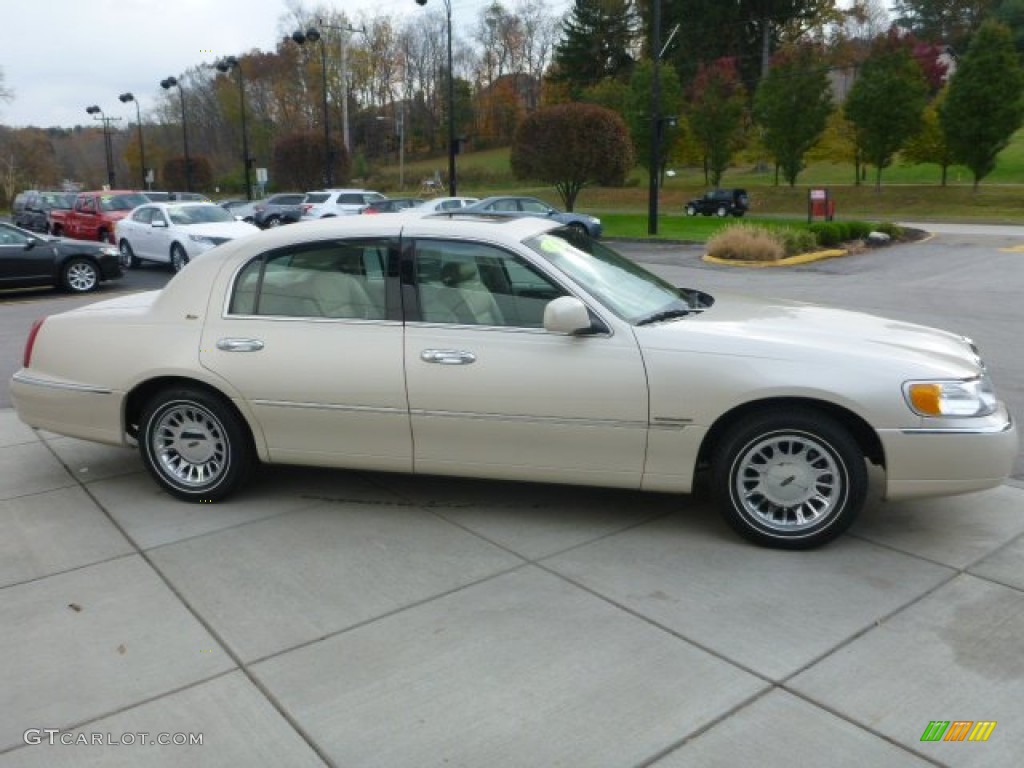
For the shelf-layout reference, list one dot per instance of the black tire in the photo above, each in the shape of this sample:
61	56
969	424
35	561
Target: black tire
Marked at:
178	257
195	445
721	211
273	221
691	210
578	228
791	478
127	259
80	275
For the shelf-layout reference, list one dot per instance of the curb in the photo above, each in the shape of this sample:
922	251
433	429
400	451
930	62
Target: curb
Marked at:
789	261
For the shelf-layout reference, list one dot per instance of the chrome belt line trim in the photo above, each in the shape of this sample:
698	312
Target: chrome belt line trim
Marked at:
330	407
562	420
551	420
996	430
33	381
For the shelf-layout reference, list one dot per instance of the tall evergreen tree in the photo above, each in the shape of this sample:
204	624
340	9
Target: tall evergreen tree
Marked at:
792	105
597	42
886	102
984	107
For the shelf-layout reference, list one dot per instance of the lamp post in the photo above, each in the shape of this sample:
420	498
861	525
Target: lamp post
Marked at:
226	65
125	98
172	82
400	125
312	35
452	184
107	146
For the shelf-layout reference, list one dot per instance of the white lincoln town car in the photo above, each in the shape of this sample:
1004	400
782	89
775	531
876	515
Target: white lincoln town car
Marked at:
458	344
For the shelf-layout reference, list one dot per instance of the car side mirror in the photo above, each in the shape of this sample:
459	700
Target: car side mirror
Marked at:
30	243
568	315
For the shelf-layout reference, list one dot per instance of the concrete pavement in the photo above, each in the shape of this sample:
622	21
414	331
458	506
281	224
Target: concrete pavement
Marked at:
358	619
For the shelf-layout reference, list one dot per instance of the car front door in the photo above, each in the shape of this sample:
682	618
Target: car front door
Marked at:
312	340
491	393
24	259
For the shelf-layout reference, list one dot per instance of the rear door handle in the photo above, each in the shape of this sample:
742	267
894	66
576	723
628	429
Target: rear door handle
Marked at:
239	345
447	356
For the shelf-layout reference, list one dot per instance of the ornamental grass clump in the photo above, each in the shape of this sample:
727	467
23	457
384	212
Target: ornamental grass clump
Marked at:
746	242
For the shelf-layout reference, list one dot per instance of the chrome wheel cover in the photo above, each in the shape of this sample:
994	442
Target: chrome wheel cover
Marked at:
178	259
788	482
190	446
126	255
81	277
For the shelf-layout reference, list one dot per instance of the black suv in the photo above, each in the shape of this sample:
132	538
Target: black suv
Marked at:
720	202
35	214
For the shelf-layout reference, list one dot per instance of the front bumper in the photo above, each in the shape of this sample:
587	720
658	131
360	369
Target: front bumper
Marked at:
942	462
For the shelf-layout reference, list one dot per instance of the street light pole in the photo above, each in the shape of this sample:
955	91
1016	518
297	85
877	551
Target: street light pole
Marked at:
452	183
226	65
168	83
312	35
654	162
107	146
125	98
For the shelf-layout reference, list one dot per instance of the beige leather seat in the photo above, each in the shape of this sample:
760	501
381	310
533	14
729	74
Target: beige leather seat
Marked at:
462	298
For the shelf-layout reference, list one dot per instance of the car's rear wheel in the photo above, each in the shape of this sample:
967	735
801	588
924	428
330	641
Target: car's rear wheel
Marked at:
789	478
721	211
128	258
194	444
178	257
80	276
691	210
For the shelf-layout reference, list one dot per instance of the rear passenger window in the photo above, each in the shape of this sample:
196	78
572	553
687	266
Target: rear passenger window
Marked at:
343	280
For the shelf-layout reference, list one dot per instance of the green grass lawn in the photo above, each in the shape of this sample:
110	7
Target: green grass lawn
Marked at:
907	192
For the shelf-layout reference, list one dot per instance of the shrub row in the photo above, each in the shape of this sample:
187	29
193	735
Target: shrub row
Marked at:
753	242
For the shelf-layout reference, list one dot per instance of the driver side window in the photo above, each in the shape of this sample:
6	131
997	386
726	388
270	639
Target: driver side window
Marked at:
472	284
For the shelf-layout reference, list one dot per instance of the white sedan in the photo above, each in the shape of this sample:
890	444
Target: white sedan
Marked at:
444	204
175	233
513	349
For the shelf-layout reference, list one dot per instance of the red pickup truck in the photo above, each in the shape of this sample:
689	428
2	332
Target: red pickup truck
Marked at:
94	214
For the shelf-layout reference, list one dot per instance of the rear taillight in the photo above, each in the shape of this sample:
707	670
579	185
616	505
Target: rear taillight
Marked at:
307	207
30	342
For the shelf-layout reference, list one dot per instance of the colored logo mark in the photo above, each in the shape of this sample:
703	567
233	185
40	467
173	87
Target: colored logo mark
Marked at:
958	730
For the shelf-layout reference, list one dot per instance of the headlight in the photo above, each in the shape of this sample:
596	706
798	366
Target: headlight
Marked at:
974	397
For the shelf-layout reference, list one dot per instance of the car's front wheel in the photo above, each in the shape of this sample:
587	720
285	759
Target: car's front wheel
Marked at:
691	210
178	257
194	444
80	276
789	478
127	258
274	221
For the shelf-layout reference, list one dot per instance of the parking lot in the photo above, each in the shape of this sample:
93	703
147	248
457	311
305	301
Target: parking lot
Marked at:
362	619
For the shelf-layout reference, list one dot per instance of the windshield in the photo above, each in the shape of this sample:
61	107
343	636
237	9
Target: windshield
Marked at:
185	215
626	288
122	202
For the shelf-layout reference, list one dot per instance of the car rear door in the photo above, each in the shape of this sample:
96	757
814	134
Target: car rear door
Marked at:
310	335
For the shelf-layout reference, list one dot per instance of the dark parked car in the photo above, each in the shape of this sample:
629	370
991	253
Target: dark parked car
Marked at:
18	205
36	212
720	202
283	208
511	205
392	205
28	260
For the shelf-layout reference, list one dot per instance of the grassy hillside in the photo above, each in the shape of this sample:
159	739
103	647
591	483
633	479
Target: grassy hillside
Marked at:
907	192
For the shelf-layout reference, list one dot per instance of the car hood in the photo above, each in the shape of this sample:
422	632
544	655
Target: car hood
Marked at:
798	331
223	229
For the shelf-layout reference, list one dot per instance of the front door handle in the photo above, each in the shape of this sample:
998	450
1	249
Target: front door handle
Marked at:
239	345
447	356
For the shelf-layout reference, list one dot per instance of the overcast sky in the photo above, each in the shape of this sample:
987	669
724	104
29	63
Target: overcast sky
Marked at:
61	56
